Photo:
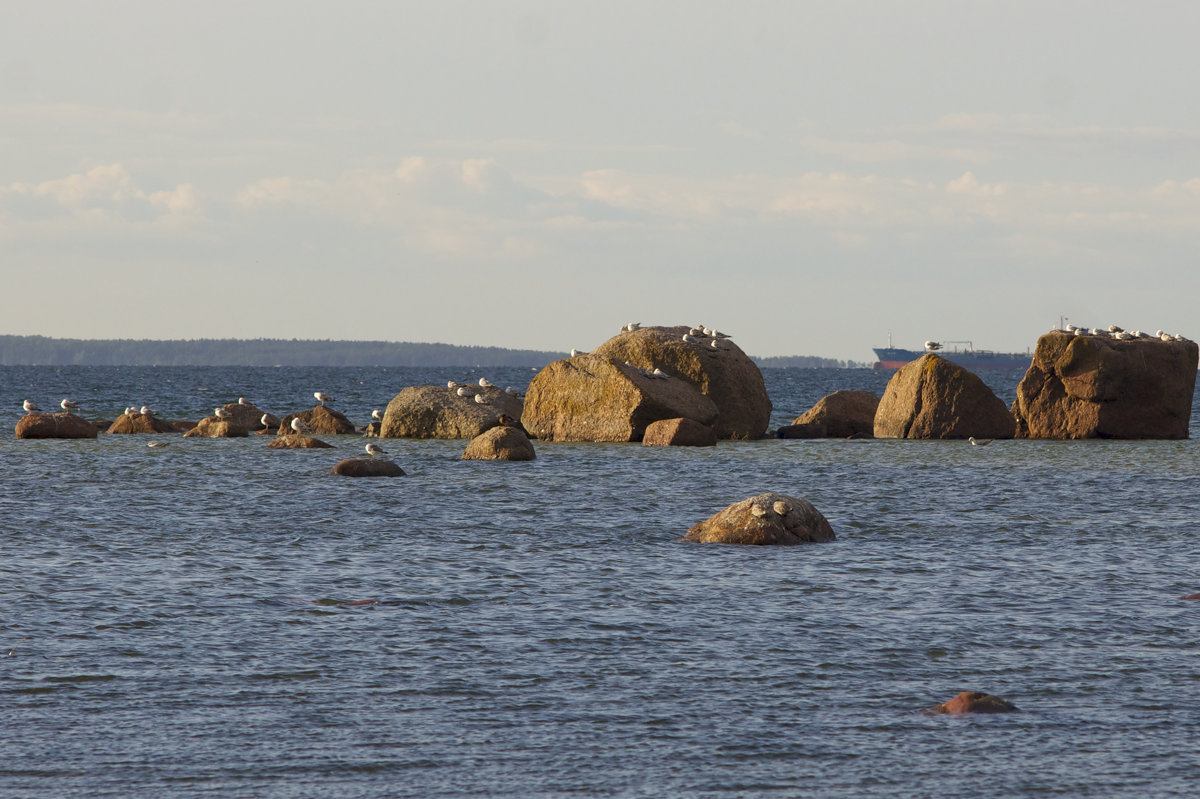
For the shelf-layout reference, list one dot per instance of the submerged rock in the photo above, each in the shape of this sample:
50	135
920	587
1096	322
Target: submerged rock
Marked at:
974	702
679	433
934	398
501	443
296	441
1095	387
769	518
367	467
55	425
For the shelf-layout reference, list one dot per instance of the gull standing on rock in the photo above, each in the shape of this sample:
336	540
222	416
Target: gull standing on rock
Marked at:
377	415
68	405
576	353
265	421
221	413
374	449
322	397
30	407
299	426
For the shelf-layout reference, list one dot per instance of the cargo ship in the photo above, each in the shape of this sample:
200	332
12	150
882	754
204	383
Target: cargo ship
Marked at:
962	353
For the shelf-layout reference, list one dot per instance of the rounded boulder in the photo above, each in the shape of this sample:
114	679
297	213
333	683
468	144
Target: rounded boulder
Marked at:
769	518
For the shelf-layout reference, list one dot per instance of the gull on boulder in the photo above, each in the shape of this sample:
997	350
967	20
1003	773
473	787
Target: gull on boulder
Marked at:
68	405
299	426
322	397
30	407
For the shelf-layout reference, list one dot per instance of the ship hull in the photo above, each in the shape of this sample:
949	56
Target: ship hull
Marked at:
894	358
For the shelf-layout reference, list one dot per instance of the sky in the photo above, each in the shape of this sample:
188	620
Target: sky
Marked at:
809	177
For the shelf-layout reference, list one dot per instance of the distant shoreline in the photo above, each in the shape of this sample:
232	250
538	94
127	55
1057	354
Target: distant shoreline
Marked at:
47	351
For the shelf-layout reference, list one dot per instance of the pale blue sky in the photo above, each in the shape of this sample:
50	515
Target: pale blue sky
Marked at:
808	176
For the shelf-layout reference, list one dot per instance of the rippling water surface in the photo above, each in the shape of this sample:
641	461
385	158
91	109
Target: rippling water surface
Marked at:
183	620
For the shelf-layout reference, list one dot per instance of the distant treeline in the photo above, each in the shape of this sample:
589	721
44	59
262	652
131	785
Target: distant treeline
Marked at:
44	351
804	362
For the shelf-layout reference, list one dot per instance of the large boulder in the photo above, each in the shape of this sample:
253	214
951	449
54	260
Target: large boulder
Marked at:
679	433
723	373
55	425
367	467
216	427
501	443
441	412
320	421
769	518
598	398
1097	387
141	423
934	398
843	413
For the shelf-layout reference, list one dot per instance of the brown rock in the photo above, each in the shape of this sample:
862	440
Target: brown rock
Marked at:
974	702
55	425
679	433
765	519
320	420
934	398
140	423
367	467
844	414
725	375
439	412
1095	387
249	416
295	441
501	443
597	398
183	426
810	430
215	427
372	429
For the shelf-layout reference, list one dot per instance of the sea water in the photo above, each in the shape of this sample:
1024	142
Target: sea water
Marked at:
218	618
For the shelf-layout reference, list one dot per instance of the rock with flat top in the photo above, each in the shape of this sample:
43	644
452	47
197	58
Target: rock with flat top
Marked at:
216	427
297	441
1096	387
501	443
141	423
769	518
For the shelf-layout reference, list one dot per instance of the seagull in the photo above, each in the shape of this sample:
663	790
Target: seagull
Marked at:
299	426
713	343
221	413
242	401
481	399
377	415
688	338
975	442
157	444
322	397
632	326
264	421
146	411
719	334
1162	336
30	407
933	345
463	391
574	353
68	405
451	384
484	382
374	449
659	373
1115	329
512	392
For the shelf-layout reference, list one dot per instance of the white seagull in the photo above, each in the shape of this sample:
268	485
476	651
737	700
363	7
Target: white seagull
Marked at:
688	339
299	426
451	384
146	411
463	391
242	401
975	442
484	382
575	353
479	398
377	415
68	405
221	413
30	407
264	421
374	449
322	397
